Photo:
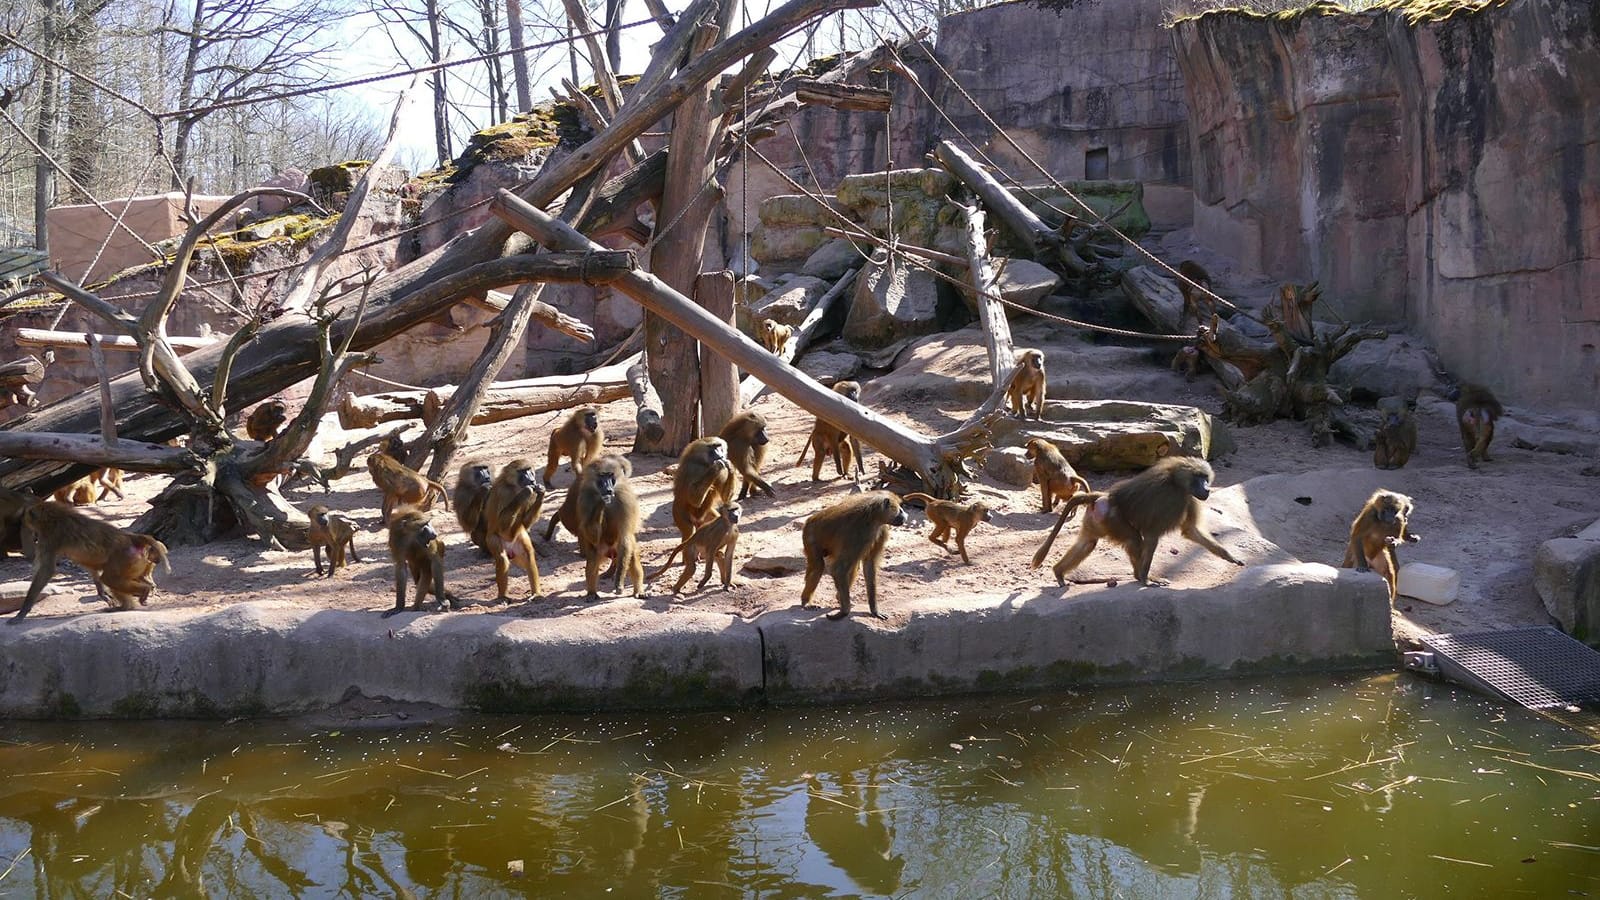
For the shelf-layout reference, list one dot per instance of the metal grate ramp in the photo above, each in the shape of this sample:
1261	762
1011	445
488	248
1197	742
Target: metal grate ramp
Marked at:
1538	667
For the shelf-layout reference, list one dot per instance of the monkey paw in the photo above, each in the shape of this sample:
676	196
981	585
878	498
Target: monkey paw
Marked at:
837	614
390	612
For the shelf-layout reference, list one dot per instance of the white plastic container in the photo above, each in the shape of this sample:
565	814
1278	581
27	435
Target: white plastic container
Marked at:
1430	584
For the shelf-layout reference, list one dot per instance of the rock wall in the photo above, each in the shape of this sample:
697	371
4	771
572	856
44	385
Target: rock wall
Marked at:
1441	172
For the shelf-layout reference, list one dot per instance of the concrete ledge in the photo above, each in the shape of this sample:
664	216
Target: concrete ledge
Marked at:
260	658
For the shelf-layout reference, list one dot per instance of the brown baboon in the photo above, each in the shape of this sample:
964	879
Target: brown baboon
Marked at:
1027	388
773	336
416	550
395	446
579	437
713	542
110	481
1377	530
607	517
950	517
334	532
265	420
121	563
1056	478
513	505
304	469
746	435
12	505
472	492
1197	303
1476	411
82	492
842	445
1136	513
704	479
852	534
1396	438
400	483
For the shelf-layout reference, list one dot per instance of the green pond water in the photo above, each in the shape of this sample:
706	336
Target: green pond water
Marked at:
1362	786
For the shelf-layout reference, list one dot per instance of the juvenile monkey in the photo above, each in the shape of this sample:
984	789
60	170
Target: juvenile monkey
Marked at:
334	532
606	513
1136	513
82	492
265	420
950	517
579	437
774	336
746	434
511	509
713	542
1026	391
1196	302
704	479
472	492
1053	474
1377	530
1476	411
845	537
121	563
417	551
841	444
400	484
1396	438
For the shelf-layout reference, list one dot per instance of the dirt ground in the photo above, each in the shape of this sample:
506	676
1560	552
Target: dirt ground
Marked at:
1280	500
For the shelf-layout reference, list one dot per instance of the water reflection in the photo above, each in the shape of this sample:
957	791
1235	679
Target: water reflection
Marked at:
1377	786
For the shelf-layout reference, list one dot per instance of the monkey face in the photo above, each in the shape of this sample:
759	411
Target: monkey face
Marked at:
426	534
985	513
761	436
1200	486
591	420
605	484
319	515
479	476
1035	360
733	512
1392	508
525	478
717	449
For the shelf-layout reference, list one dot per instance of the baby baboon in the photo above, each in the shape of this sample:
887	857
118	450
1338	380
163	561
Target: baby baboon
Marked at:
1377	530
1136	513
714	542
401	484
1476	411
334	532
12	505
1053	474
949	516
847	536
513	506
1196	303
1027	387
416	550
607	517
746	435
265	420
121	563
704	479
827	439
1396	438
773	336
579	437
472	492
82	492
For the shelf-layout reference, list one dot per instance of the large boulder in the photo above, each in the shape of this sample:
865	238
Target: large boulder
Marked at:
1396	365
921	214
829	368
892	301
1023	282
789	231
787	304
1566	574
832	260
1113	435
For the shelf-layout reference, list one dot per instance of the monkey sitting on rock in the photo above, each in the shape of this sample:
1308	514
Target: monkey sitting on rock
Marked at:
1377	530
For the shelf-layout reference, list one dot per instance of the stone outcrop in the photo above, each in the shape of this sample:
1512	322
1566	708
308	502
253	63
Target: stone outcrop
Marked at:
1439	172
1113	435
1566	573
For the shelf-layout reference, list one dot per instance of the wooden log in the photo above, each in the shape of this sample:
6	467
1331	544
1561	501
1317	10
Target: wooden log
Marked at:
809	328
108	412
531	396
136	456
719	379
365	411
44	337
991	312
648	429
1046	243
852	97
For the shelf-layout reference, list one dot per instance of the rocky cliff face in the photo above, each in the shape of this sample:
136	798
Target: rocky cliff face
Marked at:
1443	172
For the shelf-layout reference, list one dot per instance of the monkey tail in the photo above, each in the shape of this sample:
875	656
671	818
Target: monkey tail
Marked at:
670	557
443	495
1067	512
1081	484
920	497
804	449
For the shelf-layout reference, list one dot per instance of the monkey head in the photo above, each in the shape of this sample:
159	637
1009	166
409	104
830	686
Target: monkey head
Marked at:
395	446
732	511
524	475
477	474
1394	410
1033	359
590	418
716	451
319	515
1195	475
850	390
1390	508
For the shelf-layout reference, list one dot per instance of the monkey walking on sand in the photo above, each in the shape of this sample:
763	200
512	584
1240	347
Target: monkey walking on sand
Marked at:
1476	412
840	444
949	517
847	537
122	563
418	553
333	532
579	437
713	542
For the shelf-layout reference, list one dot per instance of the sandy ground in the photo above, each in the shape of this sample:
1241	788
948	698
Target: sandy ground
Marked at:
1281	500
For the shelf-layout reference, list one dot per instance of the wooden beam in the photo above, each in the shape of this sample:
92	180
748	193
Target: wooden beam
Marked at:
44	337
852	97
991	312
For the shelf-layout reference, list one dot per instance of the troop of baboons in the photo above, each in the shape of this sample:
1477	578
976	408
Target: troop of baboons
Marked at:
497	512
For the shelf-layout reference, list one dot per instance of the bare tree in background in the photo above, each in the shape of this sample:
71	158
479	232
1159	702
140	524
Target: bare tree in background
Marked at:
519	59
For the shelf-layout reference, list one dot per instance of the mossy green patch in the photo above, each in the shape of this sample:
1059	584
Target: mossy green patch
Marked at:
1413	11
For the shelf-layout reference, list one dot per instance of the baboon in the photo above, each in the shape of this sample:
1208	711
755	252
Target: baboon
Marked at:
82	492
842	445
416	549
704	479
334	532
304	469
1194	299
1476	411
110	481
1187	360
746	435
395	446
1136	513
579	437
845	537
950	517
606	513
121	563
713	542
265	420
1377	530
12	505
511	509
472	492
1396	438
1053	474
400	483
774	336
1027	388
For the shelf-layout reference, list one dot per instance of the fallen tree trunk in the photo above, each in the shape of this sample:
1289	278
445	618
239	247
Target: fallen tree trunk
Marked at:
366	410
991	313
1046	242
44	337
531	396
136	456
